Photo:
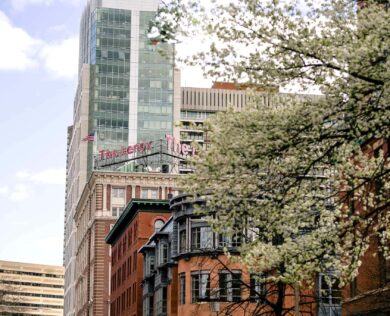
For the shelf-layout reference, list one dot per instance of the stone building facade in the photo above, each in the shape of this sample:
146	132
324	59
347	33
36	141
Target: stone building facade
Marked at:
103	200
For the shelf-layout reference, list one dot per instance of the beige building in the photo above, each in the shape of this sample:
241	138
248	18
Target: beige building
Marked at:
199	104
31	289
101	203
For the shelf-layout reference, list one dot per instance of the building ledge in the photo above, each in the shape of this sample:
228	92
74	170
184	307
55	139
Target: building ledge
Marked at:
375	292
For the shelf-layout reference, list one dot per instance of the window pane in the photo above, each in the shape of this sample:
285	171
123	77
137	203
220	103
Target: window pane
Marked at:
144	193
195	238
182	240
153	194
158	224
182	287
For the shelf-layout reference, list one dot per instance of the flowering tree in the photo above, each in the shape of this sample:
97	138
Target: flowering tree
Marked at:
306	180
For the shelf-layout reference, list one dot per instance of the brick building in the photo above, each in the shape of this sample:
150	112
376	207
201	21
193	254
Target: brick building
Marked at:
369	293
187	273
103	200
140	219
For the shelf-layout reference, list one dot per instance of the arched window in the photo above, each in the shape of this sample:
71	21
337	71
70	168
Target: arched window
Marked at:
158	224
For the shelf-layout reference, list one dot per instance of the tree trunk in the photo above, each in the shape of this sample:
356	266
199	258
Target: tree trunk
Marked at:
296	300
280	301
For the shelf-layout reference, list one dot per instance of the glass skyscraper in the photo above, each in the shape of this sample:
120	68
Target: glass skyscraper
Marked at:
125	95
131	80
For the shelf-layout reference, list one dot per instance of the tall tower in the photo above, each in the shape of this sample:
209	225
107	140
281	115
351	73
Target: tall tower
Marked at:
126	93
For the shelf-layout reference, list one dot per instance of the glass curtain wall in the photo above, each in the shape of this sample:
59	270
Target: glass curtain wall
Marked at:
109	81
155	84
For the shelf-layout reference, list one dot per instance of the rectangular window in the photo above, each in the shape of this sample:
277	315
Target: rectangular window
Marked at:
130	295
155	84
182	288
130	237
384	269
153	194
161	301
118	192
182	240
329	293
236	240
135	260
229	241
353	288
144	193
149	193
149	306
195	238
117	211
162	253
223	241
258	289
230	286
206	238
118	277
149	264
200	286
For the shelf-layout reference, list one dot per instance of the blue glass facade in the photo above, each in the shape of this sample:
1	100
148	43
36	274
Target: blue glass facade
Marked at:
155	84
110	32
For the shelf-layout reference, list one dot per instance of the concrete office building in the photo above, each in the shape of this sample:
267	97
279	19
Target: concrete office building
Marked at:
31	289
199	104
127	93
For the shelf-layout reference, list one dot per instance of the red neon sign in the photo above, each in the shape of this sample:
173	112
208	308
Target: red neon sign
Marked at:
172	145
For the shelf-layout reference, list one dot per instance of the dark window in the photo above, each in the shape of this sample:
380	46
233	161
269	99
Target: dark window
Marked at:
195	238
236	240
135	260
182	288
353	288
258	289
384	269
130	295
129	237
182	240
150	299
230	286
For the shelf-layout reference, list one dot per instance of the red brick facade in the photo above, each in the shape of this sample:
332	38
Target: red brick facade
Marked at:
369	293
126	262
